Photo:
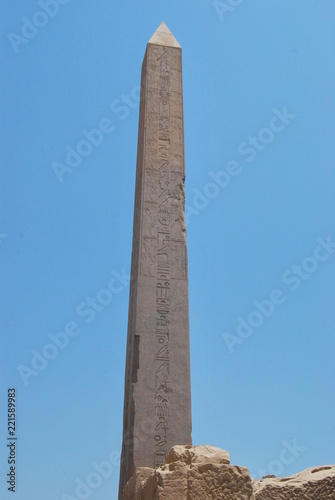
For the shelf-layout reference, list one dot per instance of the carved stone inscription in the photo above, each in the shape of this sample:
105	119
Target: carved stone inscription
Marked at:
163	288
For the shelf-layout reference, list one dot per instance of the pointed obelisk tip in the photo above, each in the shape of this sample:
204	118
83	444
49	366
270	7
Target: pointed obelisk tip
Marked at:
163	36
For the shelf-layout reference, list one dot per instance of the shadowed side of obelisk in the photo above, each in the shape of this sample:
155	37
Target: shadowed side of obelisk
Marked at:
157	404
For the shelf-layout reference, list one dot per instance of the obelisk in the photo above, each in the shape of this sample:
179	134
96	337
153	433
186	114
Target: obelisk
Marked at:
157	402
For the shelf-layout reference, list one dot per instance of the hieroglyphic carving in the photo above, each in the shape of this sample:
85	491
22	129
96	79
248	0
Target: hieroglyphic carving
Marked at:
152	125
178	226
148	257
149	220
151	154
150	185
177	186
149	242
162	330
160	458
179	258
163	289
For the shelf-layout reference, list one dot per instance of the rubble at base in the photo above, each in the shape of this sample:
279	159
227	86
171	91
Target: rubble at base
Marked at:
205	473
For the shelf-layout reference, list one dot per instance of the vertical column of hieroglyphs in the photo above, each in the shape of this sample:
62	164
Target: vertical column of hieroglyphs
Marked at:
163	259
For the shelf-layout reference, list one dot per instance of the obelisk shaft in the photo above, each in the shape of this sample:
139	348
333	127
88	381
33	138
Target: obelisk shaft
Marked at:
157	405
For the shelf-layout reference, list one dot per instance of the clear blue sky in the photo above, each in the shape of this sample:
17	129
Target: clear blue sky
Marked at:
259	110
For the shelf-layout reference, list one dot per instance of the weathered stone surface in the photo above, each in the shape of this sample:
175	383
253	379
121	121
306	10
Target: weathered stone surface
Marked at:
178	481
167	483
210	481
205	454
316	483
134	487
189	476
157	403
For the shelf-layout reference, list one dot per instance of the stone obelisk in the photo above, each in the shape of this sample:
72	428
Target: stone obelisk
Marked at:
157	402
